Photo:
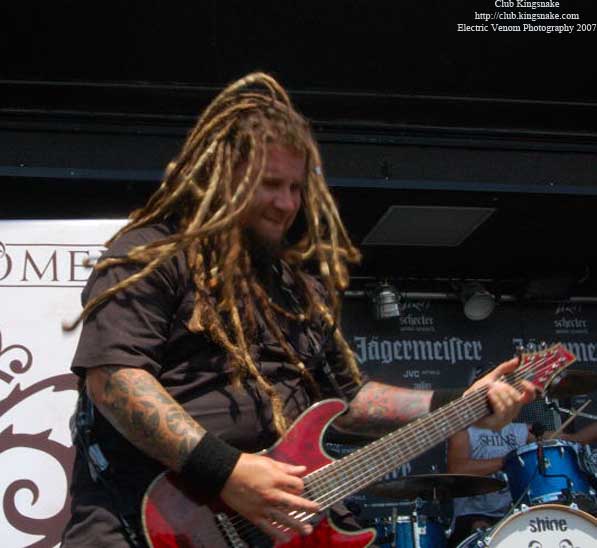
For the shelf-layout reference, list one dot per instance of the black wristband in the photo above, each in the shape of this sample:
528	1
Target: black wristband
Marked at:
209	465
442	396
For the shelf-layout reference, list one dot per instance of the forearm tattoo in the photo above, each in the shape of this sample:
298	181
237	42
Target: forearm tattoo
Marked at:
379	408
139	407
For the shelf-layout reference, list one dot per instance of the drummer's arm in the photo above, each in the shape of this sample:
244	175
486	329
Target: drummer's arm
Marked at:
460	462
586	435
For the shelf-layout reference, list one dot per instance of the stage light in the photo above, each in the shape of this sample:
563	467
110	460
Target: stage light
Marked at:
478	303
385	300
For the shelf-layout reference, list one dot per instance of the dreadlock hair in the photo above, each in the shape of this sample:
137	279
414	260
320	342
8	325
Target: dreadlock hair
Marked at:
206	188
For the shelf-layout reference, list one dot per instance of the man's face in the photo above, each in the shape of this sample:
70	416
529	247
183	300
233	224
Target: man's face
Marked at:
277	199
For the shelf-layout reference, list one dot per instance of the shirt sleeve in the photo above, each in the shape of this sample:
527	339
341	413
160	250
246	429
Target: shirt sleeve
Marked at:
338	380
130	329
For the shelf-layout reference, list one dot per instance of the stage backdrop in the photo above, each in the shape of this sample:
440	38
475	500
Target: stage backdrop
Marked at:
41	276
432	345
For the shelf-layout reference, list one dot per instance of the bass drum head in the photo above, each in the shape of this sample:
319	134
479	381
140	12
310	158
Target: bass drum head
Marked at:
546	526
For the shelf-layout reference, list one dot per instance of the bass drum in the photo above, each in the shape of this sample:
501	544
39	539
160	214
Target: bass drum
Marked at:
544	526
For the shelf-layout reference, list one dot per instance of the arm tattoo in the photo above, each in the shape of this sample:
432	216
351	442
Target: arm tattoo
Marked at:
139	407
379	408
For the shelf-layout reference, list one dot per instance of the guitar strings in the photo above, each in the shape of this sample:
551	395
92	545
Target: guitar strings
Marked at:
425	425
475	402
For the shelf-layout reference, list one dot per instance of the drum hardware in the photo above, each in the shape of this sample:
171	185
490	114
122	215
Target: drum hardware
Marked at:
418	529
573	414
413	530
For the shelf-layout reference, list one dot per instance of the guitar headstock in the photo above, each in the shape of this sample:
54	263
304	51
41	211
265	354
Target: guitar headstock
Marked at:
542	366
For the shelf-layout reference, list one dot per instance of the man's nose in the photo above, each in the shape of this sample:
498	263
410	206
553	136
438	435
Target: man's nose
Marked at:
284	199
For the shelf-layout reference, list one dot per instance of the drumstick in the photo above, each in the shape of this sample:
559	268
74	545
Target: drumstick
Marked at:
568	421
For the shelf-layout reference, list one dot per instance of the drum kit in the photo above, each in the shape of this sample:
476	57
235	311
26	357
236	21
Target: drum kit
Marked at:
553	484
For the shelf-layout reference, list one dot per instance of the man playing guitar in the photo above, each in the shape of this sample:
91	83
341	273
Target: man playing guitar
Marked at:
205	335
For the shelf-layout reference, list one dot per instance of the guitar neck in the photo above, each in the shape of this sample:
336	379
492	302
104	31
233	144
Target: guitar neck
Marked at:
350	474
364	466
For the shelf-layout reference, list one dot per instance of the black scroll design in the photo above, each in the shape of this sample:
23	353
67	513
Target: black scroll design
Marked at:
50	529
21	362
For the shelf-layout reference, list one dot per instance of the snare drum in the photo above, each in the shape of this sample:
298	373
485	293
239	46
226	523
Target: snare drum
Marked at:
545	526
414	531
563	473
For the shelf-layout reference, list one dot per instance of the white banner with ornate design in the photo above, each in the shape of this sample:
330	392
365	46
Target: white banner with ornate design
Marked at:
41	277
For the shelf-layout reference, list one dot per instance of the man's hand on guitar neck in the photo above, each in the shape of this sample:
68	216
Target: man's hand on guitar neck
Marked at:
265	491
505	400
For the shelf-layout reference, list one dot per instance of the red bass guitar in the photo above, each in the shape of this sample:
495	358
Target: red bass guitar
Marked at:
176	518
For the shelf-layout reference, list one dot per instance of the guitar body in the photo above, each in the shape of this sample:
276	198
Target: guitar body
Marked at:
175	518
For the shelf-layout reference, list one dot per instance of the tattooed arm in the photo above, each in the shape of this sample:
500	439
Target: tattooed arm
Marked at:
138	406
378	408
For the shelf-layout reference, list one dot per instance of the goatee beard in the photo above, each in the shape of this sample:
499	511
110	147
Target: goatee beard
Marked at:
264	253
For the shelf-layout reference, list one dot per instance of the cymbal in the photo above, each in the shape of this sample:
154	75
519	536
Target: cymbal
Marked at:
435	486
573	383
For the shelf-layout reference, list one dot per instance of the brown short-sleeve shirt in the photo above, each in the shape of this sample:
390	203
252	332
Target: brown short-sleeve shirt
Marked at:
146	326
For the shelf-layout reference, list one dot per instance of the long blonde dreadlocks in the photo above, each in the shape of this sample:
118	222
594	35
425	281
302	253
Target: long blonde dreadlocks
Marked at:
207	193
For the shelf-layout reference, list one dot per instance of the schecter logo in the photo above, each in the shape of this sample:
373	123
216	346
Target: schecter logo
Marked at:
45	265
415	317
569	319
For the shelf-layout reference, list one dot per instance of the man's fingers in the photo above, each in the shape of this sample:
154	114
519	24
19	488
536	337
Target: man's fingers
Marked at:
281	517
529	392
296	503
507	366
293	470
269	528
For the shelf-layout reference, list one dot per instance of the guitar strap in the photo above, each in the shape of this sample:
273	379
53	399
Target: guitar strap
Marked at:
318	359
99	467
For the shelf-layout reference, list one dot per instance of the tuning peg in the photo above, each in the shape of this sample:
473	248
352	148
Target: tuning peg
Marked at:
519	350
531	346
542	345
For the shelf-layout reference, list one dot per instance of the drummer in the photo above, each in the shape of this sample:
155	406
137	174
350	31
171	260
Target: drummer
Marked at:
482	452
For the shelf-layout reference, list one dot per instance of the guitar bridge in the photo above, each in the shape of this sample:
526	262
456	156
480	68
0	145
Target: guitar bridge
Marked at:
229	532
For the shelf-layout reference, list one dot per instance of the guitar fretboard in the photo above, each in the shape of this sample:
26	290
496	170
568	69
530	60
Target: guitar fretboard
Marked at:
350	474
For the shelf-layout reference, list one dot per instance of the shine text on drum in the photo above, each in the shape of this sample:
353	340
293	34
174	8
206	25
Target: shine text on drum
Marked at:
545	524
